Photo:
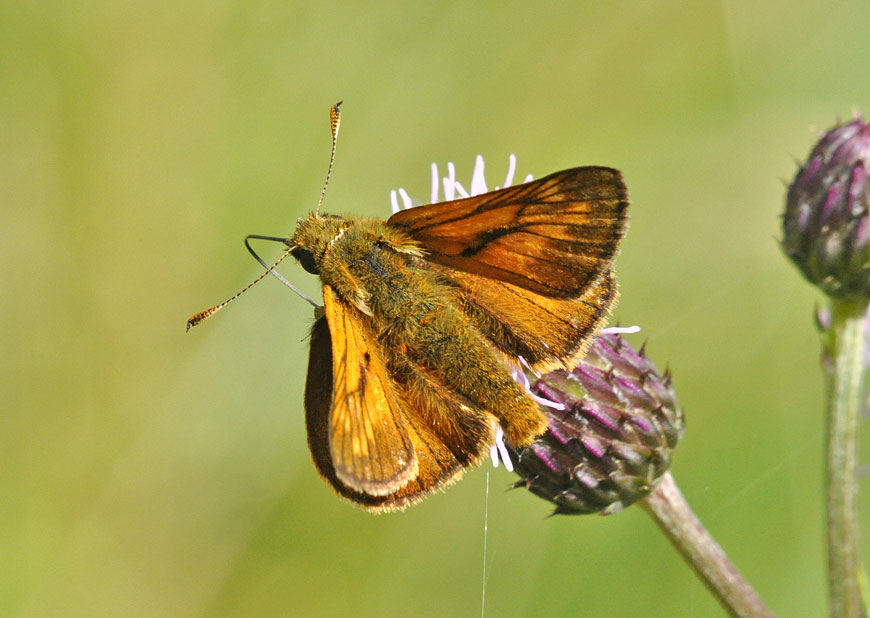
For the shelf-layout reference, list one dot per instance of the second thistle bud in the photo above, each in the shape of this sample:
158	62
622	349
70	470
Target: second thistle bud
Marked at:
613	439
826	225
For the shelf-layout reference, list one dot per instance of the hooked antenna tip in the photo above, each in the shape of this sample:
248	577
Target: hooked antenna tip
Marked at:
202	316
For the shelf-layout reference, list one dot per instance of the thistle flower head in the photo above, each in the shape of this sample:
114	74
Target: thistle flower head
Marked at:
612	441
826	224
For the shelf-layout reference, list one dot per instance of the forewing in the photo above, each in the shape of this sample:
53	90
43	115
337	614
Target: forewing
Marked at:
443	450
554	236
369	440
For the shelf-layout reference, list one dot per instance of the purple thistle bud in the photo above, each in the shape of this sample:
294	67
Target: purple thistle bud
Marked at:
613	440
826	224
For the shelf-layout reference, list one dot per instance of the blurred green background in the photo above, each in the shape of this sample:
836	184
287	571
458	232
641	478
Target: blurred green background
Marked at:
145	472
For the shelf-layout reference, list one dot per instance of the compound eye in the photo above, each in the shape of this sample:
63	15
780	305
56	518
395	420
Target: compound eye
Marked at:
306	258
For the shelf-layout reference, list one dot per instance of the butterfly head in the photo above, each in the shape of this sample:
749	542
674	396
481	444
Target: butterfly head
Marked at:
313	238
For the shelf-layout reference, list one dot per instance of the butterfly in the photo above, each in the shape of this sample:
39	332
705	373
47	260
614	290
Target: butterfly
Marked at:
423	315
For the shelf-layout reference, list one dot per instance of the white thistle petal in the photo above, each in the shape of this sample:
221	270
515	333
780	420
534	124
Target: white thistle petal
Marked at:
512	167
460	189
620	330
498	450
394	203
548	402
449	188
433	197
493	451
522	379
478	181
406	199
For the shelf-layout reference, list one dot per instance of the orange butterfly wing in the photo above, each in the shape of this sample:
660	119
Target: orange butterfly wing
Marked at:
548	333
369	440
437	464
554	236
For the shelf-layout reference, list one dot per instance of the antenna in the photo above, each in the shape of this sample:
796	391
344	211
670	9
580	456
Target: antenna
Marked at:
272	270
334	123
202	316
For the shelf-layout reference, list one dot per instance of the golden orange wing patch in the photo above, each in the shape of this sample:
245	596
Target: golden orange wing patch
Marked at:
437	463
549	333
554	236
369	438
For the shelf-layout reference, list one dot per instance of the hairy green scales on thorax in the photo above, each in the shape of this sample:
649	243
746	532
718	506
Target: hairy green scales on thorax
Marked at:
414	312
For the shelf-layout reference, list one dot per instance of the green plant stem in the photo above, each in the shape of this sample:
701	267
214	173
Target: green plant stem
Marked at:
845	387
667	506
